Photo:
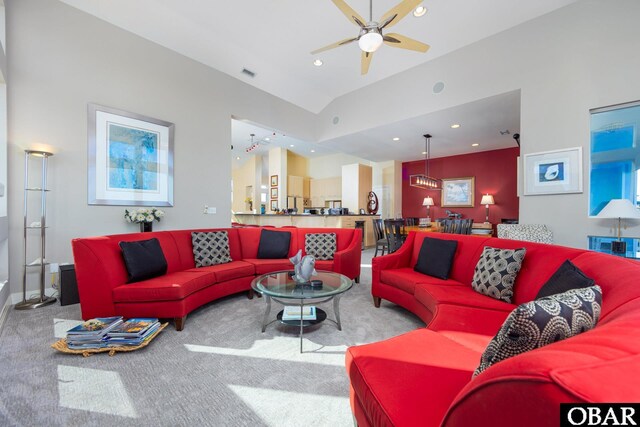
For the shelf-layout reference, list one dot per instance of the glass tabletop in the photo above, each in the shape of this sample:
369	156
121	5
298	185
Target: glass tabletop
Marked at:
280	284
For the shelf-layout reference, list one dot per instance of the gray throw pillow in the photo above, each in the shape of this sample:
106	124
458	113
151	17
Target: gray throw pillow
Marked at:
496	272
210	248
321	246
544	321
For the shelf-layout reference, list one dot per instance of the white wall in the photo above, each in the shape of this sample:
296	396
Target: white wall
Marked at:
580	57
60	59
330	166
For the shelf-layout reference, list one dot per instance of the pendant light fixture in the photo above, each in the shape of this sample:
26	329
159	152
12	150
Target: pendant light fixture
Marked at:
425	180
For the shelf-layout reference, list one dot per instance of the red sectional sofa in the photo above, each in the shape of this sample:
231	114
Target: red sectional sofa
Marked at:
102	275
424	377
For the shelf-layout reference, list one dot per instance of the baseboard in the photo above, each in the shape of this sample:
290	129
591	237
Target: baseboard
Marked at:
16	297
4	313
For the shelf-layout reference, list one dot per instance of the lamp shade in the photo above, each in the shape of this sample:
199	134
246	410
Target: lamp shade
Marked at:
428	201
619	208
487	199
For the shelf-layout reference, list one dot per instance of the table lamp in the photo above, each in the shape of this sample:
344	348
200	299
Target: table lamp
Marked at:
428	202
487	200
620	209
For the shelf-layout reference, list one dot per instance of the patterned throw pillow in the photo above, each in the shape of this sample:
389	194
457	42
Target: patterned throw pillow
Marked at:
496	272
321	246
544	321
210	247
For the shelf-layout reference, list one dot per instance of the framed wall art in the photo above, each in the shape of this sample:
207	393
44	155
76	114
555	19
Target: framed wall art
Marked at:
553	172
458	192
274	206
130	158
274	180
274	192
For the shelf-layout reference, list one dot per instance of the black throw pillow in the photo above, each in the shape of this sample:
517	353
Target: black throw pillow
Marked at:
566	277
273	244
144	259
436	257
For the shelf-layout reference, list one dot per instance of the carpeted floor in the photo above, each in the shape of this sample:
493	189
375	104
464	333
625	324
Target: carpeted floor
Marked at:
220	371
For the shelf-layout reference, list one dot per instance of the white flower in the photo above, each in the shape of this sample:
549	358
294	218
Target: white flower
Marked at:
140	218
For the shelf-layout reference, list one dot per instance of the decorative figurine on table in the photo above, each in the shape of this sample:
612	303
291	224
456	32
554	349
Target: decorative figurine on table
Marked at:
303	267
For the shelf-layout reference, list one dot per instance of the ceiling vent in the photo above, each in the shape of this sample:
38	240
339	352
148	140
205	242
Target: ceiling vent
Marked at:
248	72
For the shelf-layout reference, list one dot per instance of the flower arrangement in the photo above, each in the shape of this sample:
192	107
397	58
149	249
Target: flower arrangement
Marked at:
248	200
141	215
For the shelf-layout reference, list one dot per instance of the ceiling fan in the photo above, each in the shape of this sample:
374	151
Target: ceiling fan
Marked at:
371	37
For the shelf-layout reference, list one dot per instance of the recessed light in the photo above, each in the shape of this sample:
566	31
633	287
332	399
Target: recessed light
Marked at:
424	152
291	145
419	11
238	158
475	144
317	62
267	139
313	151
455	126
396	139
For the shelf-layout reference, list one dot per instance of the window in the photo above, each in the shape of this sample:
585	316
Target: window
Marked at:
615	155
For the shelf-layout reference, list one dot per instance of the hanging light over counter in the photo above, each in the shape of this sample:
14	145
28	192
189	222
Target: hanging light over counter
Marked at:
425	180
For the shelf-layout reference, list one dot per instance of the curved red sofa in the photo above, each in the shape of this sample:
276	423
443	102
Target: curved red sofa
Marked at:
424	377
102	276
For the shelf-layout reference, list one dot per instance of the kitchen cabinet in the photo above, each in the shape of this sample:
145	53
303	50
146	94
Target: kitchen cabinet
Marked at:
295	185
325	189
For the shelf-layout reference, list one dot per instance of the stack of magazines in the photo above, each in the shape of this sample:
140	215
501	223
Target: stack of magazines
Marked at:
132	332
292	312
92	333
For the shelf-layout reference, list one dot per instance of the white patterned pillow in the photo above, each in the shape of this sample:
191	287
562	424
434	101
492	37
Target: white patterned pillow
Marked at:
496	272
210	248
321	246
544	321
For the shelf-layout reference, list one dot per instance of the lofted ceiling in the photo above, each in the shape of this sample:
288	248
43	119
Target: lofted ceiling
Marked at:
274	38
489	122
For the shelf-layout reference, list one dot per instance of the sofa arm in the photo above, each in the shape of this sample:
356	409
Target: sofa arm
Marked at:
94	290
347	261
399	258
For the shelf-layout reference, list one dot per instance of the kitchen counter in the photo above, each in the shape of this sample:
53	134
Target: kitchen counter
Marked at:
312	221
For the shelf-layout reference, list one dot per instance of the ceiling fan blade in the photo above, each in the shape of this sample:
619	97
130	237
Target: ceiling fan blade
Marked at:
334	45
350	13
399	11
397	40
365	62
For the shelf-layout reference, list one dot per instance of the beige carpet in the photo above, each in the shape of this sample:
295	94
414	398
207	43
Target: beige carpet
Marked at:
220	371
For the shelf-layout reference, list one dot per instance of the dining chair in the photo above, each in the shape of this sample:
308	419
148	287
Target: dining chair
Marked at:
393	230
381	241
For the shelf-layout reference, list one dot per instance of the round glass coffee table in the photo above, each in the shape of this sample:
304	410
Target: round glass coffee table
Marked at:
281	287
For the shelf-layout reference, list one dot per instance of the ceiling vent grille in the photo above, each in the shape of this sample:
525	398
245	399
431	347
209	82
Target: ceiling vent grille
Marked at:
248	72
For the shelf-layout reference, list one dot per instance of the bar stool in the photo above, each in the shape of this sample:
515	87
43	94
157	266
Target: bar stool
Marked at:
360	225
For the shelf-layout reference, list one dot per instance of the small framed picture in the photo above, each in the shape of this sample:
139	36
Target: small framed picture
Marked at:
458	192
274	180
274	192
553	172
274	206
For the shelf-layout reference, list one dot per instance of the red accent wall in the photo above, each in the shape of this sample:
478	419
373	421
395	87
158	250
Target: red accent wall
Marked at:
495	173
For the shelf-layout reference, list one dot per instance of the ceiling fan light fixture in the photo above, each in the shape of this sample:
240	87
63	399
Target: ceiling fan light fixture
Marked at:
419	11
371	40
317	62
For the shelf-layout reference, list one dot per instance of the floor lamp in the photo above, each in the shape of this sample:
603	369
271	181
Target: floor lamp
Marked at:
620	209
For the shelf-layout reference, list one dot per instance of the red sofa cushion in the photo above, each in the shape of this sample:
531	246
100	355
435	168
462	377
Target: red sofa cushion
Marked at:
409	380
228	271
170	287
407	279
264	266
432	294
